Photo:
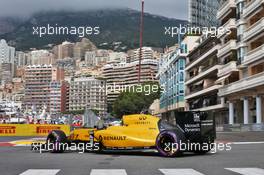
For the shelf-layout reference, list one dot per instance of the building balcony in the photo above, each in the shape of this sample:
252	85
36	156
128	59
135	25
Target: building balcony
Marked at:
227	69
226	48
207	103
230	24
254	30
203	74
204	91
241	85
225	9
253	56
202	57
210	108
251	7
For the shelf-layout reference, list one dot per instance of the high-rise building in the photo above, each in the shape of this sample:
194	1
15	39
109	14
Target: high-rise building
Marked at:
59	93
202	13
7	59
243	51
6	73
120	75
202	81
226	74
147	53
87	93
7	53
90	58
41	57
96	58
39	86
171	76
85	45
64	50
22	58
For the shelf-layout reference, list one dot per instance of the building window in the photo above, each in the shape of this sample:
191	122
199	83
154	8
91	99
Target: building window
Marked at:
183	48
181	76
181	89
181	64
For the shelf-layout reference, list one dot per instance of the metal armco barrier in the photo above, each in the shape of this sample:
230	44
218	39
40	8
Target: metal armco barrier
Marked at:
30	129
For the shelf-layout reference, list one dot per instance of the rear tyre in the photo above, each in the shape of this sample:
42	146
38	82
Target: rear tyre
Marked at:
56	141
168	144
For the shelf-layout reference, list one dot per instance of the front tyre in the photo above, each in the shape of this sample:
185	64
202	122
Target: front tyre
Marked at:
168	143
56	141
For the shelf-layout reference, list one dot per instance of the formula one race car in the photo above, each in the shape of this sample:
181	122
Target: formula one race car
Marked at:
193	131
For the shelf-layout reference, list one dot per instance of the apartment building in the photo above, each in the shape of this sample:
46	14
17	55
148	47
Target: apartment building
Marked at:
171	76
96	58
22	59
39	87
117	57
81	47
244	88
87	92
41	57
7	60
124	74
202	81
59	93
6	73
202	13
7	53
146	53
65	50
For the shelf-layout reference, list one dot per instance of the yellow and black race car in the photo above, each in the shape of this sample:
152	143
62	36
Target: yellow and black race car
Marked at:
192	131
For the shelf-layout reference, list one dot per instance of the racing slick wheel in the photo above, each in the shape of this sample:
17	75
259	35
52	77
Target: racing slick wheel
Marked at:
56	141
168	143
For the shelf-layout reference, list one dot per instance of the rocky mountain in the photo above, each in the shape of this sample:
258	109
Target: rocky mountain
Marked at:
119	29
8	24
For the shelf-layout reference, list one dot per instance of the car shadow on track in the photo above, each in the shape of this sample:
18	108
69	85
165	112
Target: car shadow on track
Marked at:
148	154
136	153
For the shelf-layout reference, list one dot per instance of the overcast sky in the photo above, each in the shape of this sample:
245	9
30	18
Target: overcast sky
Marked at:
168	8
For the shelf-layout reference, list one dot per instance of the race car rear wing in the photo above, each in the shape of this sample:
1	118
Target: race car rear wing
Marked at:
197	126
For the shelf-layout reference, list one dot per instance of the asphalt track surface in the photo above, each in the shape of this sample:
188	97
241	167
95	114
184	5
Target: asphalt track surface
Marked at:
247	159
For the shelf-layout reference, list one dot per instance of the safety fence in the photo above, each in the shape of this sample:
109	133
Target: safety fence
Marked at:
30	129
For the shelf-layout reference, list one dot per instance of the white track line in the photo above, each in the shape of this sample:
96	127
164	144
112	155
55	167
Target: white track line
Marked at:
180	172
108	172
246	143
40	172
247	171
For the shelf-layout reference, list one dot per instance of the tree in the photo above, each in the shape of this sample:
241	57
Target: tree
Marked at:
136	99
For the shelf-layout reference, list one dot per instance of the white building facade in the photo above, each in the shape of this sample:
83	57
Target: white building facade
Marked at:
87	93
244	89
7	53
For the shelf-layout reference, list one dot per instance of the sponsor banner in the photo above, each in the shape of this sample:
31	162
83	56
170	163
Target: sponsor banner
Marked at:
30	129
